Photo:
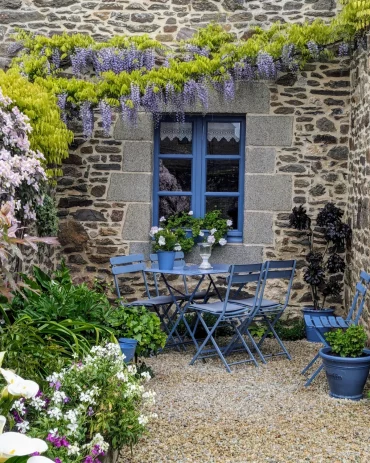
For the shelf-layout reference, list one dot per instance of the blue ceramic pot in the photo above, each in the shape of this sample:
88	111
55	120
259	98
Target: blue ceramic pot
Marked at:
166	260
128	348
311	334
346	375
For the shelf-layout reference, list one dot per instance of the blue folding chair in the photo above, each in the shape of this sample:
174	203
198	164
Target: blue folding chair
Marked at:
269	311
353	318
232	314
125	265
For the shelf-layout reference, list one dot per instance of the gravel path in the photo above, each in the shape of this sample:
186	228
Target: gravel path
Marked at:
206	415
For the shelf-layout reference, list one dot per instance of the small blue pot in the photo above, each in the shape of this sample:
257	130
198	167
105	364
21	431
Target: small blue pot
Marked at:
128	348
166	260
346	375
311	334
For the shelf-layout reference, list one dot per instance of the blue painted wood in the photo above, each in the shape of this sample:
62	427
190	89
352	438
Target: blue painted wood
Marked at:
118	260
199	158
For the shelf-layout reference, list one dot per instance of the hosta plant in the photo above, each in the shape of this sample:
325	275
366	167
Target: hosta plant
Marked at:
325	264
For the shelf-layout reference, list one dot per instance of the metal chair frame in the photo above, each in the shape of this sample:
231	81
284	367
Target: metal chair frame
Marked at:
134	263
235	315
352	318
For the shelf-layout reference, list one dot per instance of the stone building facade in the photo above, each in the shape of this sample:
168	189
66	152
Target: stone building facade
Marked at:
296	143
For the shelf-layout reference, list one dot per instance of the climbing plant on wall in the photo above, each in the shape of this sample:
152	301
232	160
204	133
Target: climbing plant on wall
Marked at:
133	72
49	134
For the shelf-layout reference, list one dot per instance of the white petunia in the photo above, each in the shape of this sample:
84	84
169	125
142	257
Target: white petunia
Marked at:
229	223
213	231
222	242
161	241
177	247
211	239
153	231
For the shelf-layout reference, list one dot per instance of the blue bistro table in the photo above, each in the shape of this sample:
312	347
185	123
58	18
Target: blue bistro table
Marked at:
180	310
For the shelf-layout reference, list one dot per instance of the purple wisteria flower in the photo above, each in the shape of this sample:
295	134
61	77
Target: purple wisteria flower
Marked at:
266	66
314	49
87	117
106	115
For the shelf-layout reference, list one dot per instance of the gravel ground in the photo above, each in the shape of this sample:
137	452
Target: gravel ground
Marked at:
264	414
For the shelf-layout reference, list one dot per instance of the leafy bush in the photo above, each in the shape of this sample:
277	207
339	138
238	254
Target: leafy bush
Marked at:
46	217
83	314
347	343
291	331
140	324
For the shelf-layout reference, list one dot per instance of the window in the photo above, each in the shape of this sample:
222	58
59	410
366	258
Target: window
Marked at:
199	166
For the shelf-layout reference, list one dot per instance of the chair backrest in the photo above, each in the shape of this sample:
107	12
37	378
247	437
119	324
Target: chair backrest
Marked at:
179	262
123	265
282	270
241	275
359	298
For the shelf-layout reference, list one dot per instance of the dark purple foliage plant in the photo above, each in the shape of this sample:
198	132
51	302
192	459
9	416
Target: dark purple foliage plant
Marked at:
337	236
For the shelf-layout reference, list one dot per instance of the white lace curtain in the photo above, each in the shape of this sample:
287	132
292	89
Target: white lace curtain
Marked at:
217	130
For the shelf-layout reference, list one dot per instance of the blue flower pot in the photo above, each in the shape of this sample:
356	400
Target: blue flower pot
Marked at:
346	375
128	348
166	260
311	334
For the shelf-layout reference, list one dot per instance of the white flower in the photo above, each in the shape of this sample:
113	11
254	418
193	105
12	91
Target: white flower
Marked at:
201	233
14	444
213	231
229	223
146	375
23	427
153	231
18	386
39	459
72	428
55	413
18	405
73	449
71	416
143	420
59	397
161	241
190	213
38	403
162	219
149	397
222	242
177	247
211	239
122	376
132	369
153	415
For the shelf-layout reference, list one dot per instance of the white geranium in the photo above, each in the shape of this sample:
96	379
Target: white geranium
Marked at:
177	247
161	241
153	231
190	213
222	241
213	231
201	233
162	219
229	223
211	239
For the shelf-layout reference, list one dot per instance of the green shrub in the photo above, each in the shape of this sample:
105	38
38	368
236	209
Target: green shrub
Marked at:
347	343
291	331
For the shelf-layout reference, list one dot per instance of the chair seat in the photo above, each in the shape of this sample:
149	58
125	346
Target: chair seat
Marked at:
250	302
201	295
326	322
217	307
158	300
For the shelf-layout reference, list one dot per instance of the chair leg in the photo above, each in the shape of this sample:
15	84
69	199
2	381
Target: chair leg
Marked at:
209	337
314	375
310	364
246	347
271	329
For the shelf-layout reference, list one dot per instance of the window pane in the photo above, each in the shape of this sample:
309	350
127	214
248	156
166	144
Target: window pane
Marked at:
228	207
169	205
223	138
222	176
176	138
175	175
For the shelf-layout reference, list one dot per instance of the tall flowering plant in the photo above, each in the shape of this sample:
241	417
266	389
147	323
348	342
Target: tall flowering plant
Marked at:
96	404
336	235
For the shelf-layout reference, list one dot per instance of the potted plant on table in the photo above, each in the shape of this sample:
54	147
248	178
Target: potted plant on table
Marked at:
327	259
346	362
166	245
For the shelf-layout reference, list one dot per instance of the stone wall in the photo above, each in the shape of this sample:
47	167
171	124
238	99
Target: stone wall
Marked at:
165	20
359	177
296	153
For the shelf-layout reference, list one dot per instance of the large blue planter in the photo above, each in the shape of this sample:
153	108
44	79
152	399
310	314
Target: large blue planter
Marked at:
166	260
346	375
311	334
128	347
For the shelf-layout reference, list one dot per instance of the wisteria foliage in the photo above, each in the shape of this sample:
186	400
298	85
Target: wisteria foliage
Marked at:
137	72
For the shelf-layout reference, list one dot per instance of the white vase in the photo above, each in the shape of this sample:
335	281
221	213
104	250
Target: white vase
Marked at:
205	251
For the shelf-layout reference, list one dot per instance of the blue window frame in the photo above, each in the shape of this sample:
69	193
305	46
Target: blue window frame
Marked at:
199	166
